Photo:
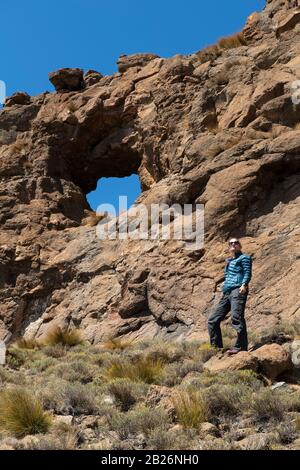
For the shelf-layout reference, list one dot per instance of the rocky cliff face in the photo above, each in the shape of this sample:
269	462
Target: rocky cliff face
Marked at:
216	127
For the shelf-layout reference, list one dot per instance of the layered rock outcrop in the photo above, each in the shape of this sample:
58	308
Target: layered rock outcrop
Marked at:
216	128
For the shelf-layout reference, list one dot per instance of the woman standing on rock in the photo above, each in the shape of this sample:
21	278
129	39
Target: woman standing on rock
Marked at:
238	272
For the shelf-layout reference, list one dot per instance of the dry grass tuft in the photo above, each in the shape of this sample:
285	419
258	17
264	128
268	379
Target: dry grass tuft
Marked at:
233	41
117	344
191	408
21	414
142	369
24	343
56	335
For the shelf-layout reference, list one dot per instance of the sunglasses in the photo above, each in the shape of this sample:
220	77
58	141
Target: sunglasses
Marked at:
234	243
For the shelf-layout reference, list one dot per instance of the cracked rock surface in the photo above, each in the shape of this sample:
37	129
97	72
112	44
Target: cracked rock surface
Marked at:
221	131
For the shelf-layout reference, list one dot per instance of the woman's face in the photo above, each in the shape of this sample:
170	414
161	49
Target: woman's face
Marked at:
234	246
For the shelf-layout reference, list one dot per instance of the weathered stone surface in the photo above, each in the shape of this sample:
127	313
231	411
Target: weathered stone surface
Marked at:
222	133
91	77
288	22
273	360
240	361
17	98
67	79
134	60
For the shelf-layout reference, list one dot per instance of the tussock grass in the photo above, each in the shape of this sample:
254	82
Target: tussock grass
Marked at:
117	344
125	392
214	51
232	41
191	408
24	343
22	414
142	369
57	335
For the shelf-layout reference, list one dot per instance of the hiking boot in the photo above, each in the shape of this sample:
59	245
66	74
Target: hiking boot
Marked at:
233	351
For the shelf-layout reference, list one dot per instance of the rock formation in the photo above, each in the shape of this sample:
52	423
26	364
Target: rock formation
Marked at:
217	127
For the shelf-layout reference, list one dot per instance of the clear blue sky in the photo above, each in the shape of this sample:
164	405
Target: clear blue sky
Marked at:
39	36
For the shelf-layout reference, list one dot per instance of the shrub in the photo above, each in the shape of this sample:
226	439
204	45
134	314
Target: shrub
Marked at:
17	357
225	400
78	399
191	408
68	338
65	398
76	371
207	351
22	414
287	432
174	373
292	401
142	369
266	405
140	420
57	351
41	364
162	439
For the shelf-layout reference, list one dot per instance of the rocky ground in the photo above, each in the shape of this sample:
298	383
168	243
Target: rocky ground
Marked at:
216	127
67	394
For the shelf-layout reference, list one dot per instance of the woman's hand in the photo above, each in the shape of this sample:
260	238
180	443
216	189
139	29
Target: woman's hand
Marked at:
243	289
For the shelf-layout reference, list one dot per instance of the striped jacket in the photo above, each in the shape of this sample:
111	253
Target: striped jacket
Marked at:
237	271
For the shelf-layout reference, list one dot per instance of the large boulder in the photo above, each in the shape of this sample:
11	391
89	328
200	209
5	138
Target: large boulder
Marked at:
20	97
240	361
67	79
273	360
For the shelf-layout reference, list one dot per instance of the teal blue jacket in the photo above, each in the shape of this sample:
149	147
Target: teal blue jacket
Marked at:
238	271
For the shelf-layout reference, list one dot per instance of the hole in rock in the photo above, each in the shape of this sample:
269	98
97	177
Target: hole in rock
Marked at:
110	190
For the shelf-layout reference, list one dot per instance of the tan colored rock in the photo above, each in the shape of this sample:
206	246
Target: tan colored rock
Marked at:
58	419
67	79
273	360
289	22
241	361
194	132
209	428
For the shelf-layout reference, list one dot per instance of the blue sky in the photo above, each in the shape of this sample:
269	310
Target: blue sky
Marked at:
39	36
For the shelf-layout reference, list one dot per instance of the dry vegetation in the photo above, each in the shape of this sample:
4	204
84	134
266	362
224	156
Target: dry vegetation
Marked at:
142	395
214	51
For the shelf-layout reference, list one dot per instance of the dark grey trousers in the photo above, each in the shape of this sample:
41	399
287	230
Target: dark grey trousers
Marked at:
235	302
